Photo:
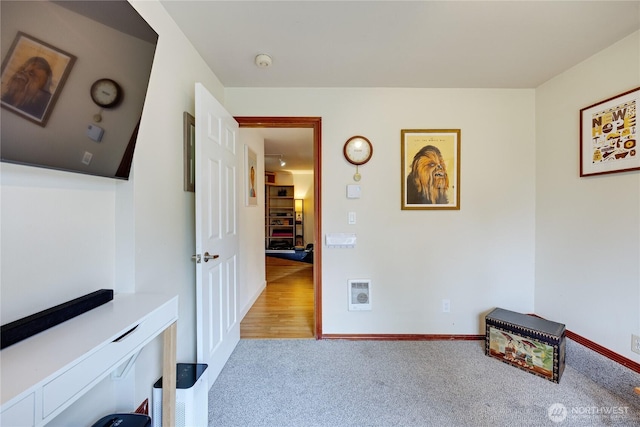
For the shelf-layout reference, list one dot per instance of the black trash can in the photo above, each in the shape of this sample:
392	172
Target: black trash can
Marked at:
123	420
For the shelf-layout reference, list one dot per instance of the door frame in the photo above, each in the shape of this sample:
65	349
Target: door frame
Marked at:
314	123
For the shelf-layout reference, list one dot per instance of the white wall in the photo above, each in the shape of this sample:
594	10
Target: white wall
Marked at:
57	235
479	257
252	277
587	229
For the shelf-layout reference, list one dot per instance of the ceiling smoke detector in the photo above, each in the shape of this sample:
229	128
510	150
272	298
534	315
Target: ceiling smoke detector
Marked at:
263	60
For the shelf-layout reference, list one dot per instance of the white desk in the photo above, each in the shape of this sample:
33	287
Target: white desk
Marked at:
44	374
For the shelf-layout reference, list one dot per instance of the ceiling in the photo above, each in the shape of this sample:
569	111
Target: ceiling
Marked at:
435	44
412	44
296	146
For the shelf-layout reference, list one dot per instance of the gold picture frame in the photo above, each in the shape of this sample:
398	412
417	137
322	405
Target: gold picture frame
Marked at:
430	170
33	75
189	148
609	135
251	176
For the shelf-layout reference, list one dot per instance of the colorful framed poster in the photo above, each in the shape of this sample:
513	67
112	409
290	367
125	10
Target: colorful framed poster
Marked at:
430	171
33	74
609	135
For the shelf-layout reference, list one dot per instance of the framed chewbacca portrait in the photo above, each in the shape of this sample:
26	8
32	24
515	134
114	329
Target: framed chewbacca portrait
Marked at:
33	74
430	169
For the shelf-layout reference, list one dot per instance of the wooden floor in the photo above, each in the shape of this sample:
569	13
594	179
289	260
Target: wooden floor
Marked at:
285	307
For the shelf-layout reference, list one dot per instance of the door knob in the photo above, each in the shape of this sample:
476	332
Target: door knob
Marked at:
207	257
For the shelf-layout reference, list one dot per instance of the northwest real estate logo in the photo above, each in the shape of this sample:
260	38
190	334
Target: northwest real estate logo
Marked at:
557	412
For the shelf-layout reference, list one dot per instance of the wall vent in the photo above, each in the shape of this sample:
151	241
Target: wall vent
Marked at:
359	294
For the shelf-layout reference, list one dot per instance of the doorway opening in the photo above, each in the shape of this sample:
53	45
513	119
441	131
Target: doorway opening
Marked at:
313	123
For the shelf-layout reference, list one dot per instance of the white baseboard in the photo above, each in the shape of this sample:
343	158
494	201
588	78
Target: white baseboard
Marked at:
254	298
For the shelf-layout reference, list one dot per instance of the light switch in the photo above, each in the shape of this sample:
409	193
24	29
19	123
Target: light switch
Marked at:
352	217
86	159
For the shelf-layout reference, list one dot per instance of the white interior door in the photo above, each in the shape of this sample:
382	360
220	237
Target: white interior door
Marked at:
218	326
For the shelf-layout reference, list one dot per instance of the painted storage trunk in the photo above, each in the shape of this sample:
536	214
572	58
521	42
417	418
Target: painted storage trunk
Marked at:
530	343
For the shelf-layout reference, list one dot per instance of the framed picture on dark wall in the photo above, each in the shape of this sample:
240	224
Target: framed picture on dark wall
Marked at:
33	75
430	170
609	135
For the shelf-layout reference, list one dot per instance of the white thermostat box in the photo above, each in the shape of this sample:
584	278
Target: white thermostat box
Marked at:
95	132
353	191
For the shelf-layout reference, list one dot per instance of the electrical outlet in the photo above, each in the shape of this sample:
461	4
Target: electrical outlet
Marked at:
635	343
446	306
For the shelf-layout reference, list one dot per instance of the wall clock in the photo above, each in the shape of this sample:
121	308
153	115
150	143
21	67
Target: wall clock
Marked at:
358	151
106	93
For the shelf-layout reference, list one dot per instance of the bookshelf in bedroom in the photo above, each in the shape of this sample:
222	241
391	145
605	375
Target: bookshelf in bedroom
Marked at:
279	217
